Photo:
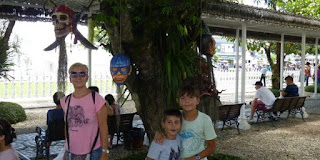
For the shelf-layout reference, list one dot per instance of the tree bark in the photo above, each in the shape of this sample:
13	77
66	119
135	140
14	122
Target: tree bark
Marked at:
62	68
275	68
145	46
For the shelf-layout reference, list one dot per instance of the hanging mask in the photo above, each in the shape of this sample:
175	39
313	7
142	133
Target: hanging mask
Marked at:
208	45
120	68
65	21
62	21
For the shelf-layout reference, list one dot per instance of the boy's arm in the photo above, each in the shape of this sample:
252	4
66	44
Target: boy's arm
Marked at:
159	137
207	152
148	158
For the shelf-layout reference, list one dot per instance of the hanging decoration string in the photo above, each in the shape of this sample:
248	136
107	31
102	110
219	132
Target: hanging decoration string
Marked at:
120	26
200	26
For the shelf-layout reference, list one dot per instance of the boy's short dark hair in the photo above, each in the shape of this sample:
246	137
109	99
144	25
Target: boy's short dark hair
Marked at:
190	91
57	96
172	112
289	78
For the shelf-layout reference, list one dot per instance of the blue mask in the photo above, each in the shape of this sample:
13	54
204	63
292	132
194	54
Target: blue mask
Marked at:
120	63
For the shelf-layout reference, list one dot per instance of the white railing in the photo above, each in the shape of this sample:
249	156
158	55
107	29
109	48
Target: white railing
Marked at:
36	87
225	79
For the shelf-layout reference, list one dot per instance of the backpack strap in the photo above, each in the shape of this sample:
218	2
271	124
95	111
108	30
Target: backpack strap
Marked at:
97	135
67	124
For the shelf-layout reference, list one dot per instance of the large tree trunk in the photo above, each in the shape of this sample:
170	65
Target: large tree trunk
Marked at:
145	87
275	67
146	46
62	68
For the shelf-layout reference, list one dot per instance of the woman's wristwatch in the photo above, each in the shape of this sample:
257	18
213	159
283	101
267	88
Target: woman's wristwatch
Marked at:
105	150
198	157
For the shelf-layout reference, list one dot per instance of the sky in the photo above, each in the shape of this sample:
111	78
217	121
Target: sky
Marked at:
35	36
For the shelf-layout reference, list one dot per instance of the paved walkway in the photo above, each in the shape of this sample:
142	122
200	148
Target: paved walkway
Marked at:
25	143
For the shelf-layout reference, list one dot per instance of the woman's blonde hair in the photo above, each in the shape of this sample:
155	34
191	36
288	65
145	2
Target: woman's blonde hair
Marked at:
78	66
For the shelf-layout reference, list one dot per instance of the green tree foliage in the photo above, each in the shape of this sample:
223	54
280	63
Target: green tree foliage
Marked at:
172	28
160	37
309	8
7	49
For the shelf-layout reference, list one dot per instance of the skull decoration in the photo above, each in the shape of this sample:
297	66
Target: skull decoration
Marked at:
120	68
62	21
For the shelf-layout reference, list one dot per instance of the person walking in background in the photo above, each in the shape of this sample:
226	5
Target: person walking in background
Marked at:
307	73
7	133
86	119
263	75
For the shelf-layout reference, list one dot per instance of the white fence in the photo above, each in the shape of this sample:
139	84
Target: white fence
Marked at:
36	87
226	79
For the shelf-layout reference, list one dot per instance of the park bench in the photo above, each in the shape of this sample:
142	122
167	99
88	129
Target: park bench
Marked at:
120	124
229	114
54	132
291	104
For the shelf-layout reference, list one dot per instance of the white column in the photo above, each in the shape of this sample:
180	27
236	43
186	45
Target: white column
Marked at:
89	50
303	62
281	62
237	66
316	72
243	120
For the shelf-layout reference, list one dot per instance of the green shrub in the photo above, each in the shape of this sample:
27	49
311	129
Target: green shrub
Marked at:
310	88
12	112
276	92
143	155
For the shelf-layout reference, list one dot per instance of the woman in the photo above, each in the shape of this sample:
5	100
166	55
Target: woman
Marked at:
7	133
86	119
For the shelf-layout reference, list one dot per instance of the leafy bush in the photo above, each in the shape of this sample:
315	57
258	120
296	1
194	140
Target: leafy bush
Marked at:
220	156
310	88
12	112
276	92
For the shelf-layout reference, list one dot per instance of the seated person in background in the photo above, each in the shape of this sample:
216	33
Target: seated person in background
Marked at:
57	116
7	133
291	90
170	148
117	109
56	113
263	98
110	111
